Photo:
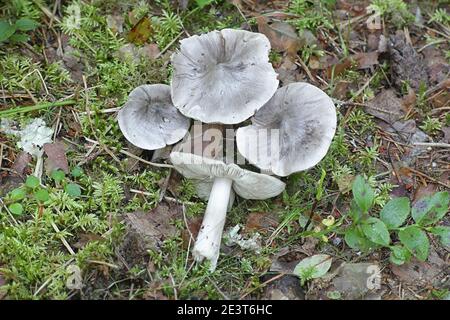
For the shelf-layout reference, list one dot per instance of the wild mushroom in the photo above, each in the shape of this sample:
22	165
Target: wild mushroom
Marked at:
223	76
292	132
223	177
149	120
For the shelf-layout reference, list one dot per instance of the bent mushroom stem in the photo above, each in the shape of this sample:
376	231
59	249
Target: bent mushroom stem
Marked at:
210	235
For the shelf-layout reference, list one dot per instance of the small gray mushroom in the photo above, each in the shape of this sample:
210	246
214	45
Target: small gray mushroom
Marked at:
223	76
149	120
292	132
223	178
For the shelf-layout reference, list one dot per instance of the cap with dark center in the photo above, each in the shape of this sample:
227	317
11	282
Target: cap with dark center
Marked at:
223	76
292	132
149	120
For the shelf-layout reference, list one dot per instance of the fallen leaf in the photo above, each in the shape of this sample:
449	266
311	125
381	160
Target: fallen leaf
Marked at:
409	100
362	60
132	52
85	238
141	31
420	273
21	163
286	287
283	37
193	229
423	191
261	222
386	106
441	98
56	157
147	231
341	89
288	72
437	67
446	131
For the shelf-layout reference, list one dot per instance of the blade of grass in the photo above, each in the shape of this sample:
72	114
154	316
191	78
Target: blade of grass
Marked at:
13	111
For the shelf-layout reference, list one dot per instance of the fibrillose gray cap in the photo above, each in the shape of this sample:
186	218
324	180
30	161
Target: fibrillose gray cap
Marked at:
303	117
223	76
149	120
247	184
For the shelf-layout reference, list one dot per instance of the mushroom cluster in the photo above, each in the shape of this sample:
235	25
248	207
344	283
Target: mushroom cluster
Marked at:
224	78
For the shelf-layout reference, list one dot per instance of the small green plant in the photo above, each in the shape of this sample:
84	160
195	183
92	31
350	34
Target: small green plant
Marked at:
313	267
32	193
395	11
440	16
16	32
313	14
367	232
431	125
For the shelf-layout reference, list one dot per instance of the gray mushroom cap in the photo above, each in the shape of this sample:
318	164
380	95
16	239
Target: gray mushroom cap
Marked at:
292	132
223	76
247	184
149	120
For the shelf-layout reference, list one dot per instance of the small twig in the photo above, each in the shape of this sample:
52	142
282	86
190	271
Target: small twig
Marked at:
432	144
169	45
301	64
423	175
265	283
63	240
51	277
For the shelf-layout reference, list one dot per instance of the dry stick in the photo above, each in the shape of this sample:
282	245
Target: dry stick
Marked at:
423	175
169	45
159	165
432	144
50	278
165	186
264	284
301	64
63	240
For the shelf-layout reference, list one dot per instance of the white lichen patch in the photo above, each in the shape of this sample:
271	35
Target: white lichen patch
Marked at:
233	237
32	137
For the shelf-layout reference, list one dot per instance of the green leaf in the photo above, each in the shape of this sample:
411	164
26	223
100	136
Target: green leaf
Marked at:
73	190
58	175
363	194
444	234
25	24
399	255
203	3
16	209
416	241
17	194
356	240
32	182
76	172
395	212
41	195
19	37
376	231
6	30
430	209
313	267
355	212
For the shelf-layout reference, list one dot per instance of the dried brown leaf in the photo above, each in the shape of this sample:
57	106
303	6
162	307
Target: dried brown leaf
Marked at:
57	159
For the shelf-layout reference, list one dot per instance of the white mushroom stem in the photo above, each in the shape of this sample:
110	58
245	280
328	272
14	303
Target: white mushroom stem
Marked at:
208	241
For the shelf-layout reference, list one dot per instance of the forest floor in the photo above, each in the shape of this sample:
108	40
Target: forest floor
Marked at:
117	222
